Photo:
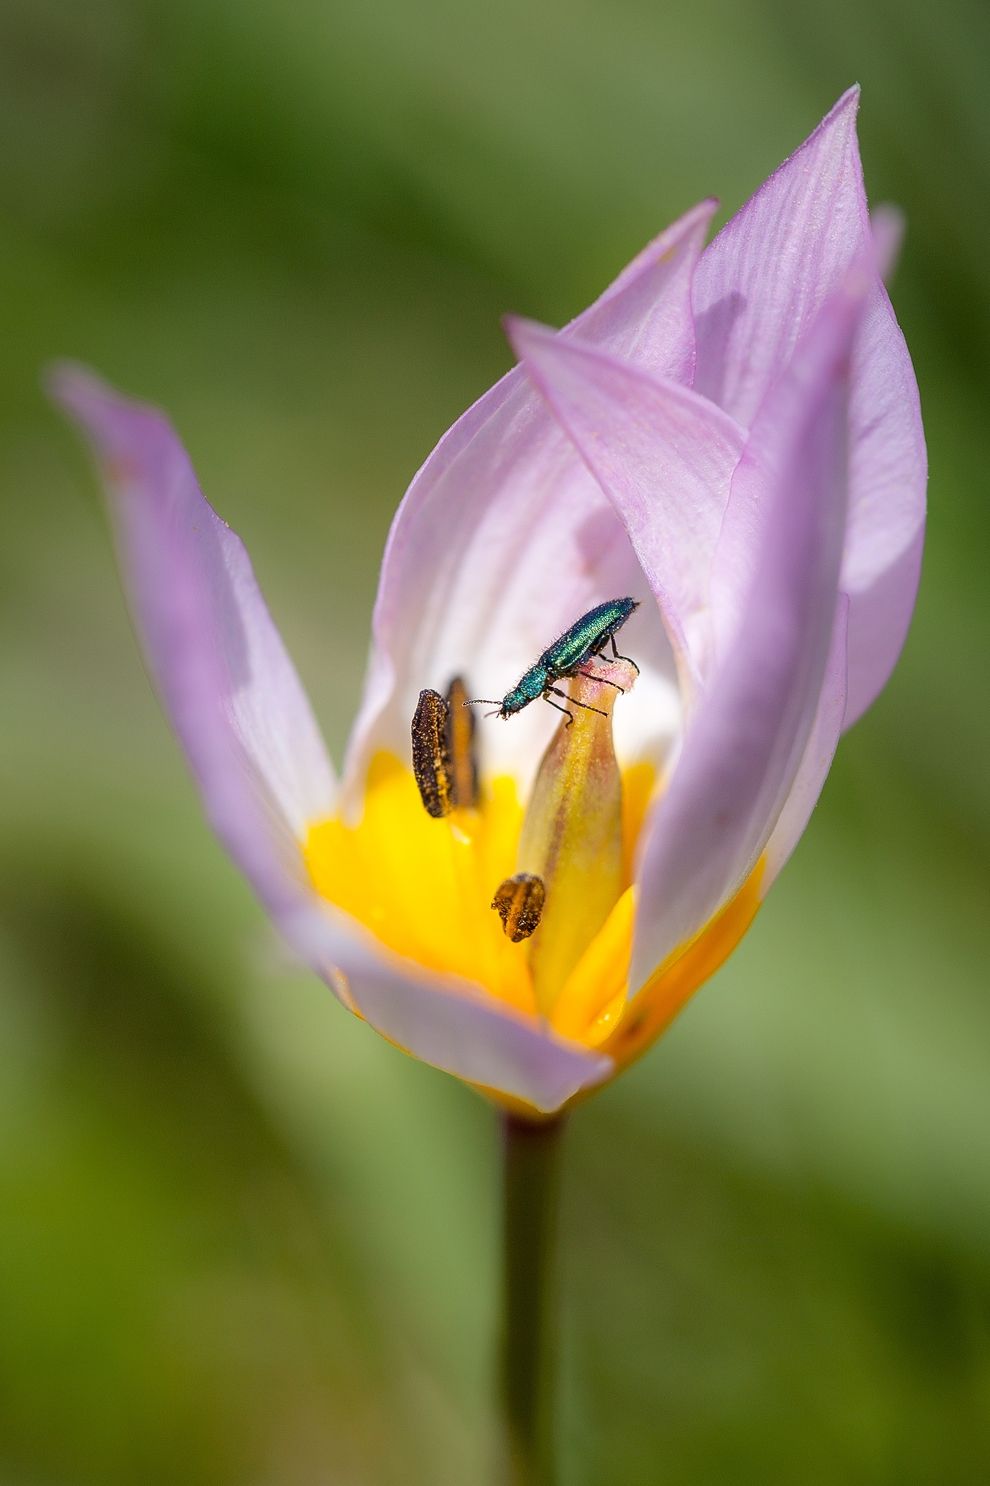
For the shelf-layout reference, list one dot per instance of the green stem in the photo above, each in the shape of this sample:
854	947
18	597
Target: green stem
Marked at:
530	1183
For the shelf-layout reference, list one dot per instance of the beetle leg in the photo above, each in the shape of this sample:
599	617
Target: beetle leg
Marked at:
567	714
573	701
602	680
617	656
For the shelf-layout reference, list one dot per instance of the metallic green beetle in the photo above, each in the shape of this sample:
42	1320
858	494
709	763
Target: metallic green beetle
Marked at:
586	638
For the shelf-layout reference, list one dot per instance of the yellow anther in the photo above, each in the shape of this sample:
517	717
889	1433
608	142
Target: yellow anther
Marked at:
519	903
431	754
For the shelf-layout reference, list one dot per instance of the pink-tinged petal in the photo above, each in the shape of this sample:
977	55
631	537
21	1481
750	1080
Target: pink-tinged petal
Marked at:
888	226
244	722
758	287
818	754
228	685
742	752
504	537
888	476
452	1025
663	455
885	528
764	278
645	315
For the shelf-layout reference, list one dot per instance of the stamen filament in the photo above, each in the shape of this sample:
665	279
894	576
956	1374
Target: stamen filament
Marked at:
572	833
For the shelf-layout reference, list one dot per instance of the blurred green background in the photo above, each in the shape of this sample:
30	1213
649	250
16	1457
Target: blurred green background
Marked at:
241	1239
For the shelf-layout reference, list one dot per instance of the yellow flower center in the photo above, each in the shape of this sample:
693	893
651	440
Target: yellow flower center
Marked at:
424	886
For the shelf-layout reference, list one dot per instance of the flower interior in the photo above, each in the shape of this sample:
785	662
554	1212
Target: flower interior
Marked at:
426	884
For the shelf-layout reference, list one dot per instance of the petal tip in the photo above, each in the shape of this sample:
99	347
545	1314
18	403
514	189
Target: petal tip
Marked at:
840	120
848	100
525	336
888	225
698	217
87	398
68	382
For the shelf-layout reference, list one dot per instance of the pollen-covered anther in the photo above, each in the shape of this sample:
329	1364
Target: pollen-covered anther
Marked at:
519	903
431	754
461	724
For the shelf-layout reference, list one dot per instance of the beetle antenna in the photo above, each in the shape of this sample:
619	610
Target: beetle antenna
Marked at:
485	702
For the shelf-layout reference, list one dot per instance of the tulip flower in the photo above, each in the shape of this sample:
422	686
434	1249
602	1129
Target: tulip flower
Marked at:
730	435
722	459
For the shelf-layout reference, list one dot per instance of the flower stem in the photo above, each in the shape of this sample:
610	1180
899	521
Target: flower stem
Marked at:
530	1184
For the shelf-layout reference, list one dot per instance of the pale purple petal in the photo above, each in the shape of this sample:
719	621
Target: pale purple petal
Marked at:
450	1024
818	754
663	455
758	287
229	687
504	537
645	315
744	748
888	227
244	722
762	281
888	475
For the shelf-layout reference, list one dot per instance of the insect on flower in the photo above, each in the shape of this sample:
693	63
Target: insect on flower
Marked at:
731	431
585	639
